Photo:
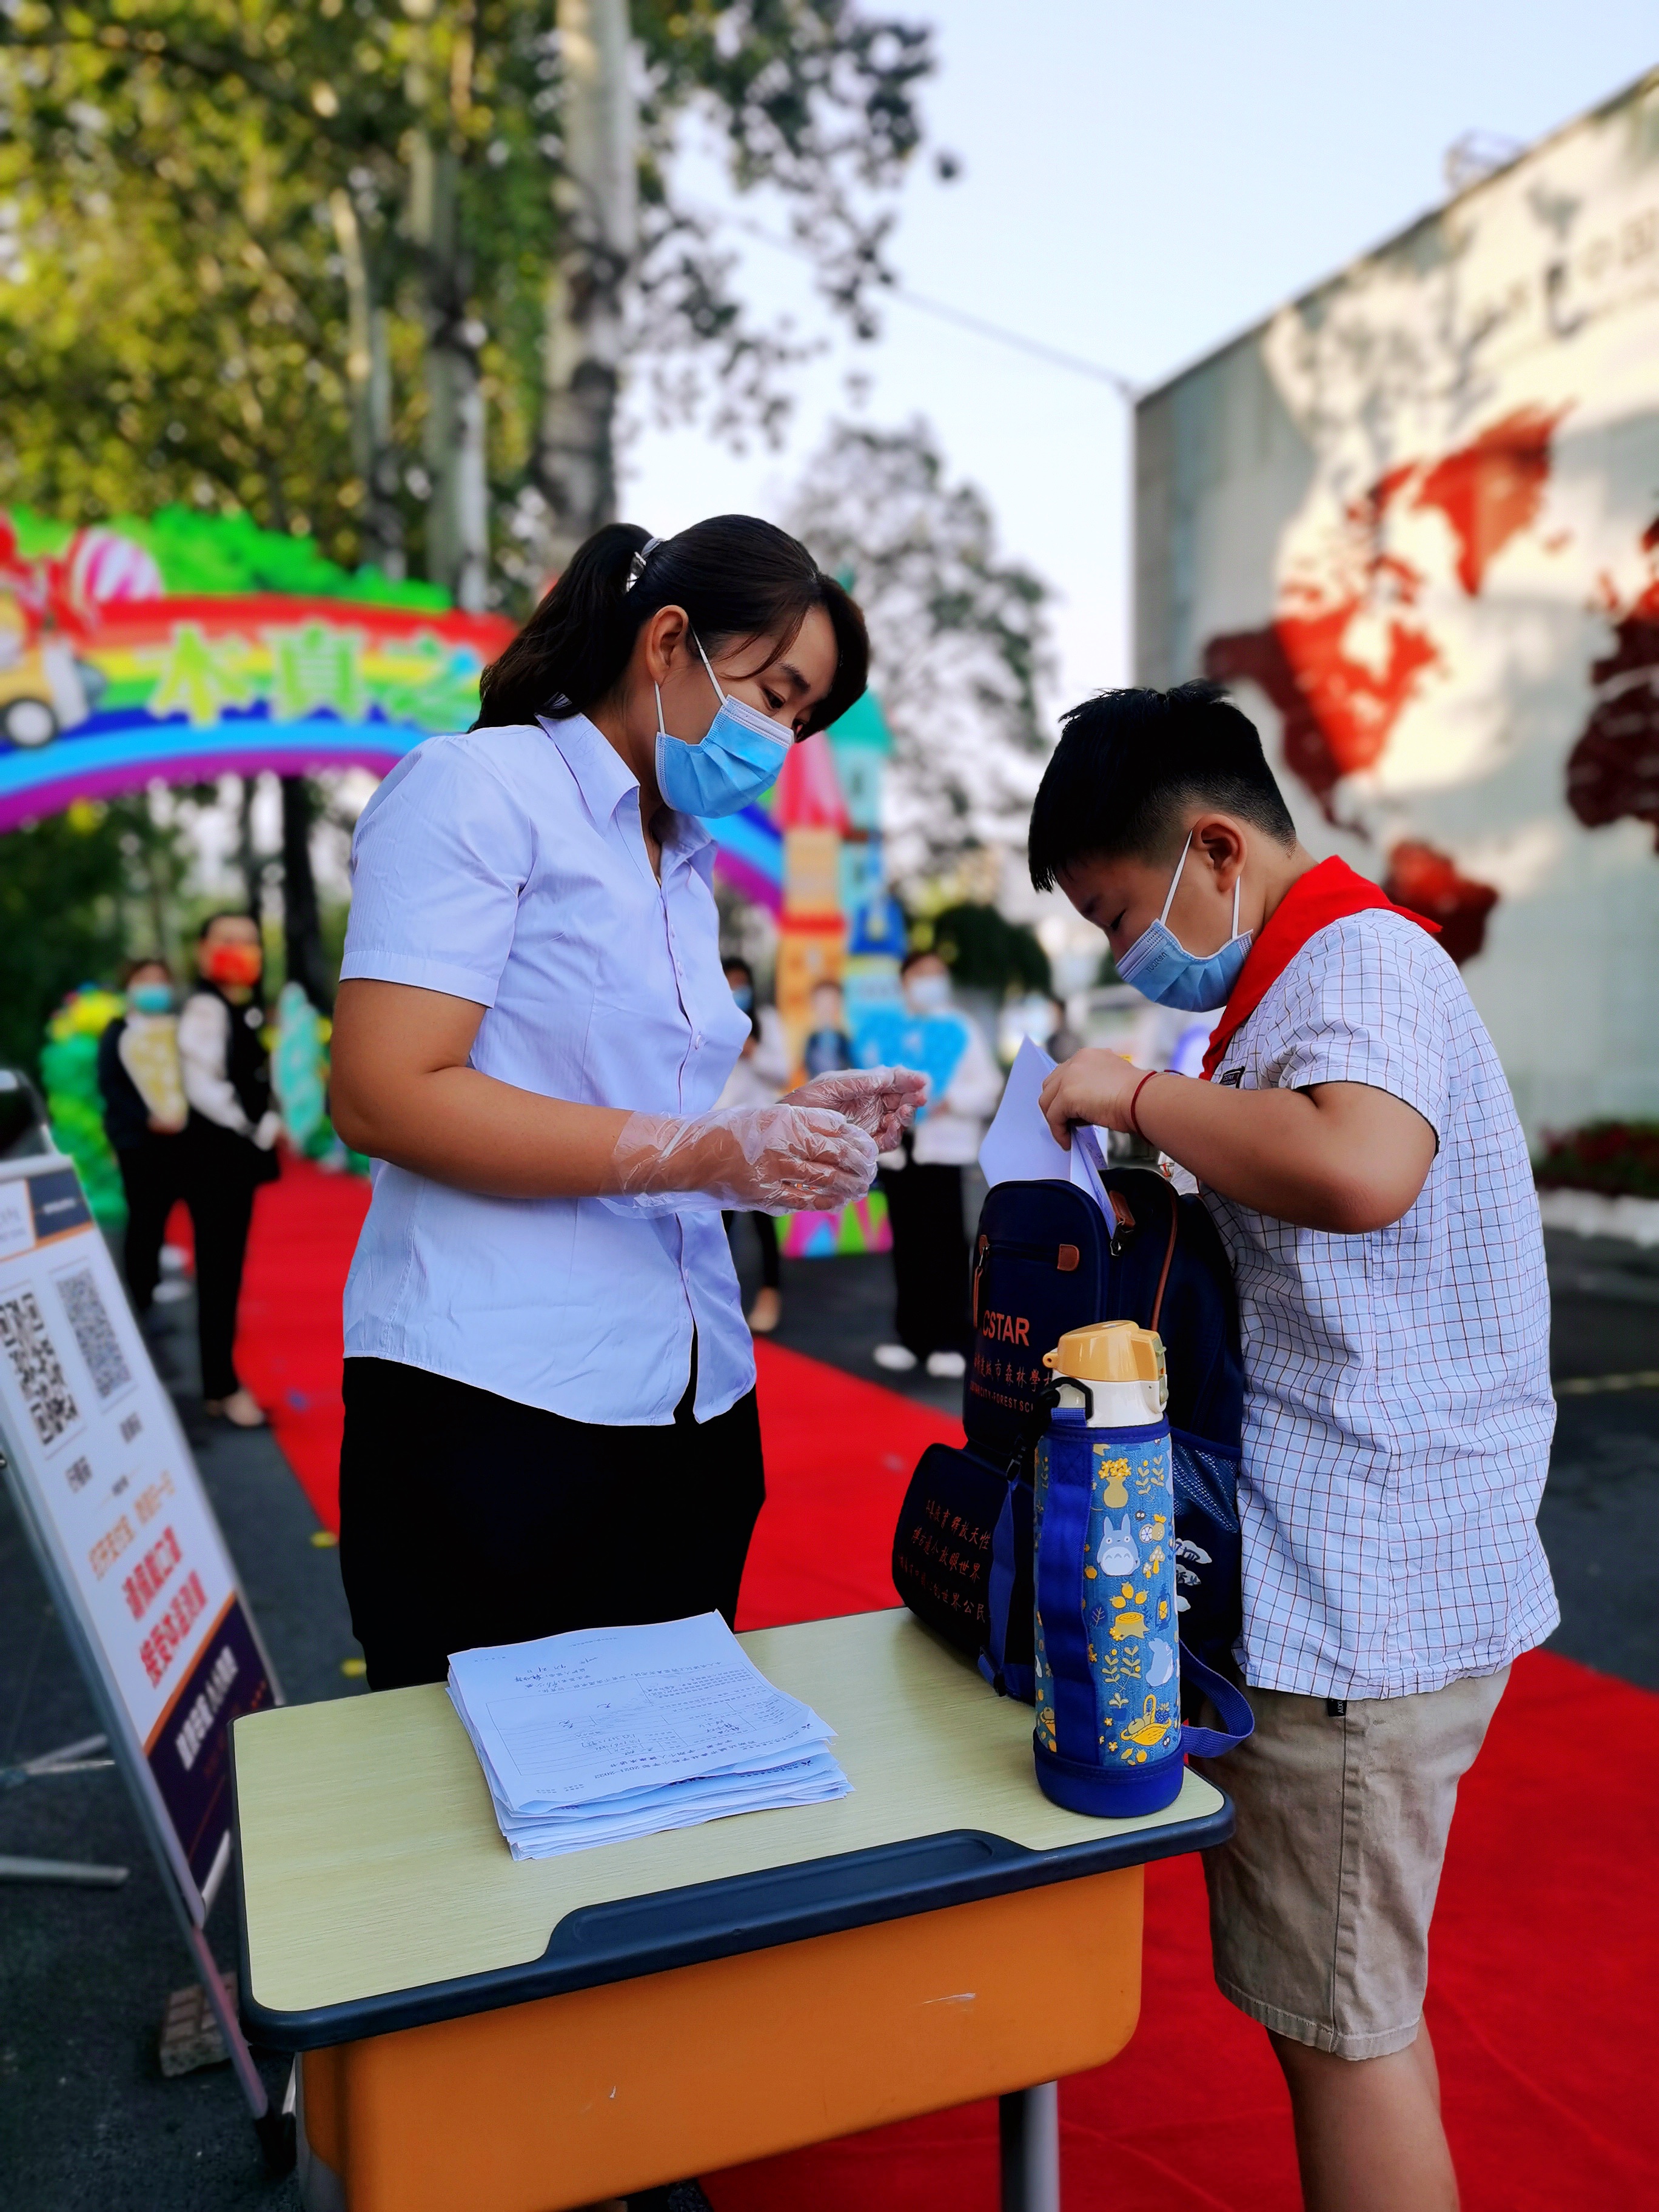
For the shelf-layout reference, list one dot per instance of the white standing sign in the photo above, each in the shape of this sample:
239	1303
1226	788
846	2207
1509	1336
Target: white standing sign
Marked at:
107	1487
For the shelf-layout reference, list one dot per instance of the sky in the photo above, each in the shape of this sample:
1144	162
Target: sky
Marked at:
1138	184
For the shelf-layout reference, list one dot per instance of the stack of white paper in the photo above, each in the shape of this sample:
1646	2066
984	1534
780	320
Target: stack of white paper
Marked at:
608	1733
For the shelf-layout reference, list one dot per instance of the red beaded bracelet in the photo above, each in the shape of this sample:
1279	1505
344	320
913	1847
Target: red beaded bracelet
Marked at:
1134	1101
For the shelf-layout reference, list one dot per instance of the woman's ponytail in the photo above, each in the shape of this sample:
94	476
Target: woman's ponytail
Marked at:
736	576
577	643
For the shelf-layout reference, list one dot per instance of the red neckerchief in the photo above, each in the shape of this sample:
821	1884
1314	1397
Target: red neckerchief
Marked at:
1328	893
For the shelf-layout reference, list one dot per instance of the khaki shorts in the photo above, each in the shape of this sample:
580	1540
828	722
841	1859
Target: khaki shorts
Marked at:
1320	1905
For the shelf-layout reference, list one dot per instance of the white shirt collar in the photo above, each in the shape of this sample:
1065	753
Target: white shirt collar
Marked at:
605	779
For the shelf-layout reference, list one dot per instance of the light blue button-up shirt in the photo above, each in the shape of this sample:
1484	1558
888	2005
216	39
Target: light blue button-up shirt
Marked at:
508	866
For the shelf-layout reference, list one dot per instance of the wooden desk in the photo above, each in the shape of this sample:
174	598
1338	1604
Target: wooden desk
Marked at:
487	2035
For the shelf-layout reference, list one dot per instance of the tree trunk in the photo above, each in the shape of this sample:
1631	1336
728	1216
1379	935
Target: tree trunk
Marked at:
302	935
386	513
457	512
586	322
369	376
248	862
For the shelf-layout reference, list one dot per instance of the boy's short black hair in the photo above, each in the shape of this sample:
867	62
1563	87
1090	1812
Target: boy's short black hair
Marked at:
1130	763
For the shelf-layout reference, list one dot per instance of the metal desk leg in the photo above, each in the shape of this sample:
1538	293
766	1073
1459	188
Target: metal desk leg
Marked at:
1028	2124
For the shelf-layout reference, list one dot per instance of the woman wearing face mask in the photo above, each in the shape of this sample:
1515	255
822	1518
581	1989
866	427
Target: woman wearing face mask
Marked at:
144	1112
229	1141
923	1182
550	1387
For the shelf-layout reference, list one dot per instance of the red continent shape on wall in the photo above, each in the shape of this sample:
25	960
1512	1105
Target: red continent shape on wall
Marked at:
1492	488
1428	881
1339	710
1613	769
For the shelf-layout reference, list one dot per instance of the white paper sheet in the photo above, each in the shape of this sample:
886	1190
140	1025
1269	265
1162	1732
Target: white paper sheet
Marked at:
1019	1146
607	1733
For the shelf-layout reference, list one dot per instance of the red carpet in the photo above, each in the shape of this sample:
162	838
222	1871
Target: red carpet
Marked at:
1547	1940
288	1339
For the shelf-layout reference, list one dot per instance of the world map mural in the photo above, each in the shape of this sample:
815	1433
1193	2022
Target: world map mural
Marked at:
1412	523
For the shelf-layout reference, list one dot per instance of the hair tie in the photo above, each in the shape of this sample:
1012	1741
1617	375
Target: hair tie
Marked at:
636	566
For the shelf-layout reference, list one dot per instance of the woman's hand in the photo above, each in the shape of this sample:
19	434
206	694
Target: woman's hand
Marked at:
761	1159
883	1102
403	1090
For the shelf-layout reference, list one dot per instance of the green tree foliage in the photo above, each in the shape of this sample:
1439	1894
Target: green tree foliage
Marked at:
985	951
188	188
78	892
69	872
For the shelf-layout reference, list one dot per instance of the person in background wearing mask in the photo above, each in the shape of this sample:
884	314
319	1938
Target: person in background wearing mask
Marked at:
923	1183
769	1061
758	1079
750	1084
228	1142
144	1115
829	1048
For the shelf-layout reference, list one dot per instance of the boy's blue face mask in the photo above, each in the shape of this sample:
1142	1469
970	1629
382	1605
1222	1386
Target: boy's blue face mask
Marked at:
1160	966
150	997
737	759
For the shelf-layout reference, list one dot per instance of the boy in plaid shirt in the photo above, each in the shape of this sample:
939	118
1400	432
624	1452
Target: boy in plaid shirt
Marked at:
1355	1141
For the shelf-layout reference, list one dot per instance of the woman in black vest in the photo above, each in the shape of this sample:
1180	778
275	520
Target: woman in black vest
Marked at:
227	1142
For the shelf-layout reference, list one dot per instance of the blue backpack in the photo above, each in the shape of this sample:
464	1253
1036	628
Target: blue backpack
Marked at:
1046	1261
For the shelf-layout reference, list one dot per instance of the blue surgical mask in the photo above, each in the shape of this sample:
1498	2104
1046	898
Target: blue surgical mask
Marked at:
928	994
737	757
1160	966
150	997
744	996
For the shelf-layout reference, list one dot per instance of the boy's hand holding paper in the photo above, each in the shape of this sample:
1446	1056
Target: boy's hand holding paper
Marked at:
1094	1087
1021	1146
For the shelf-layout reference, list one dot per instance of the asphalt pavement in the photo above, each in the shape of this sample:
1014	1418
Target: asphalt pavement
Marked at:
88	2124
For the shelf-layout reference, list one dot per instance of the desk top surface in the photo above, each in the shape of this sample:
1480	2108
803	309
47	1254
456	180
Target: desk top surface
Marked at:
378	1893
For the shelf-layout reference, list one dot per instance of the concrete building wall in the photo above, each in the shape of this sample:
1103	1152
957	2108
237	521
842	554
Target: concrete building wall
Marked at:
1412	520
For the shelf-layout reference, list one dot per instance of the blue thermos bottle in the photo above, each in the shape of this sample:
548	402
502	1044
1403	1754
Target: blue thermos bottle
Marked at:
1108	1737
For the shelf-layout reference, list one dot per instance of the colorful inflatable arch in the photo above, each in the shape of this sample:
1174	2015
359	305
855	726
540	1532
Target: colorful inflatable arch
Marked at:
181	648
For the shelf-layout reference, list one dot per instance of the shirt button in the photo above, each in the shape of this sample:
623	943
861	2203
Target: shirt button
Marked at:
696	1041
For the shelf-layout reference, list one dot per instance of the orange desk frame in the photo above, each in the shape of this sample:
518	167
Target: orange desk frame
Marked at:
572	2099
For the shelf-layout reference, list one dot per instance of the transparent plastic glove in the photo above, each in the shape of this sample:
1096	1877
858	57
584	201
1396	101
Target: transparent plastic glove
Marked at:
270	1128
760	1160
883	1102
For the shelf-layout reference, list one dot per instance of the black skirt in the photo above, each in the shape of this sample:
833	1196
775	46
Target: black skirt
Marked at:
467	1519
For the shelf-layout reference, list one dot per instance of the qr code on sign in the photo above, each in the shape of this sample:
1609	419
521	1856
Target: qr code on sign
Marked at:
40	1372
89	1319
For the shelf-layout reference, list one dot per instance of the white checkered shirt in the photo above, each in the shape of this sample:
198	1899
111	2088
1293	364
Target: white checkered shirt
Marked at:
1397	1411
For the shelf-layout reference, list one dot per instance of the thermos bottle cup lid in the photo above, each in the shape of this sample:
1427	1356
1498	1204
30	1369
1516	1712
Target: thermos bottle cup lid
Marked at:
1109	1351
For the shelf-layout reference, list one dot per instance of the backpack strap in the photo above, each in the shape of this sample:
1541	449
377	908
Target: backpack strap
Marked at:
1007	1680
1230	1702
1013	1680
1169	1259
